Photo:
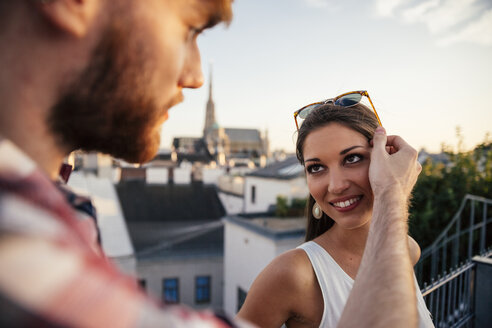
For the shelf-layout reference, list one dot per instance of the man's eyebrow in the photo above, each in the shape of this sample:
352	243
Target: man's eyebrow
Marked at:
343	152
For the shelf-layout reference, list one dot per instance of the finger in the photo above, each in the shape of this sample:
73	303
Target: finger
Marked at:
379	139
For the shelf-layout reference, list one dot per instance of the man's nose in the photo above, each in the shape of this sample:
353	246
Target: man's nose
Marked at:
191	75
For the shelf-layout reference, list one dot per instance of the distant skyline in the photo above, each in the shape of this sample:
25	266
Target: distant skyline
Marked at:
426	65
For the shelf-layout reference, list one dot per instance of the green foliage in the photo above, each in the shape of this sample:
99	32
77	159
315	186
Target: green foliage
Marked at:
282	207
296	207
441	188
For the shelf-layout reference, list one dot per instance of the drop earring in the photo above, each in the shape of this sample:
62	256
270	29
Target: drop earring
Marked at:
317	212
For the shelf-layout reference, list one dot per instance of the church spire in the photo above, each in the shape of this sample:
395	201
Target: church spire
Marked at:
210	86
210	111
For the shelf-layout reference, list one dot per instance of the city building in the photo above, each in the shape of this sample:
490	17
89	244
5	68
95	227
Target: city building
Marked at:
262	186
178	237
256	191
249	245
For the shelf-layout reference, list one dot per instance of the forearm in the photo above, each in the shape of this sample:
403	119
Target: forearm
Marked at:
384	293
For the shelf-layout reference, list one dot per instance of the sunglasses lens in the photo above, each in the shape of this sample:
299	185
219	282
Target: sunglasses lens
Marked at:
306	110
349	100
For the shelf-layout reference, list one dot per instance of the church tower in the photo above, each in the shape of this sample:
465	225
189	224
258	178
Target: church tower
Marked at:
210	112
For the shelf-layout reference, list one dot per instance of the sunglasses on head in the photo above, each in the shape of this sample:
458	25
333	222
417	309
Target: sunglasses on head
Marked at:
347	99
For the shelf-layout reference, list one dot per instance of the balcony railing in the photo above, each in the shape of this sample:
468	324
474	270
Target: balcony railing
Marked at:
469	233
454	293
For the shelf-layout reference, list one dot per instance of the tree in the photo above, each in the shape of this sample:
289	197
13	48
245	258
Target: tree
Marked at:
442	186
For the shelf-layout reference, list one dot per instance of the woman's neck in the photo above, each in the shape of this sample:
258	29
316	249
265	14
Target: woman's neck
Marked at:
348	240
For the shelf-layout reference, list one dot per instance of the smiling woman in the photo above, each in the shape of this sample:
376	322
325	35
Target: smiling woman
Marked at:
334	147
359	120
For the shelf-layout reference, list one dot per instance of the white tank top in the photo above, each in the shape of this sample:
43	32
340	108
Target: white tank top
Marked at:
336	286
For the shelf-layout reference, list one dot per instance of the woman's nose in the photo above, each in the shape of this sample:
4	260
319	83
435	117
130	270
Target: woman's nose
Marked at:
337	183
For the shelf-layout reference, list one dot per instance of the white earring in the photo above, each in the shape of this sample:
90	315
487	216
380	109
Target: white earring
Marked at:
317	212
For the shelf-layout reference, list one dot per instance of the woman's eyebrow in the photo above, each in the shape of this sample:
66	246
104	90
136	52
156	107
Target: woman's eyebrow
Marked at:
312	160
343	152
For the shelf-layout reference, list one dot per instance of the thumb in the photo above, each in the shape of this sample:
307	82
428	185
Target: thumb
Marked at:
379	140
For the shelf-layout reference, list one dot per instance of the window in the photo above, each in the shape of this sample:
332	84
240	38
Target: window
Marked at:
241	297
170	290
253	194
202	289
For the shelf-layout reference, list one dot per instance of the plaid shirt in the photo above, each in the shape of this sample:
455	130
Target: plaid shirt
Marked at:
53	271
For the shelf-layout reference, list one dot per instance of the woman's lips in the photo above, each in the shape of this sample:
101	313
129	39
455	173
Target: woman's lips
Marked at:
346	204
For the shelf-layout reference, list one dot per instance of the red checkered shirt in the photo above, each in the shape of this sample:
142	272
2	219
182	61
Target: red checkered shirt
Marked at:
53	271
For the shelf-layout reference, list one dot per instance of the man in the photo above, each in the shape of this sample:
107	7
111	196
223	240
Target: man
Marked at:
102	75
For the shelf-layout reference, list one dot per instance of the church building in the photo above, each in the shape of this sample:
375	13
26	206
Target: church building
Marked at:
232	143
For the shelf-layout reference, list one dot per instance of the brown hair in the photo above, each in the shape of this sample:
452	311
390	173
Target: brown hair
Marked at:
358	118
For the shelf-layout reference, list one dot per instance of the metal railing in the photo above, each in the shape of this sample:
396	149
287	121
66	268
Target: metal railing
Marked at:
465	236
449	299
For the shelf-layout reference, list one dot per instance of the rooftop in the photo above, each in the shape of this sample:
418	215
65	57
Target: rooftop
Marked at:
243	135
193	239
142	202
271	227
172	221
286	169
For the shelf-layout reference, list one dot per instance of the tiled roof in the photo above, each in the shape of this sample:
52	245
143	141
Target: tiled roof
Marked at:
243	135
169	203
172	220
155	240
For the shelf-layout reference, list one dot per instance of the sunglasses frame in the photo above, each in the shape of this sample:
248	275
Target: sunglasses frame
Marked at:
333	100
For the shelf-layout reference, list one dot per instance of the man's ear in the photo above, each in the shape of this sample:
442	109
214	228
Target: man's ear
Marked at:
72	16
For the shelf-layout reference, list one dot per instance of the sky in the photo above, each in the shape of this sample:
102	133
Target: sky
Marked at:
427	65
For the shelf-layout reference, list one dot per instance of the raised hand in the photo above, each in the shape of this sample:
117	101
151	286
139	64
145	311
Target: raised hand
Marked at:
394	166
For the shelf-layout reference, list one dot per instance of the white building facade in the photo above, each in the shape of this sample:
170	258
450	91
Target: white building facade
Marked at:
194	281
262	187
249	245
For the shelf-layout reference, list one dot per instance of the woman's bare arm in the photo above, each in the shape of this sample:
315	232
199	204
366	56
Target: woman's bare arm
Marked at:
275	293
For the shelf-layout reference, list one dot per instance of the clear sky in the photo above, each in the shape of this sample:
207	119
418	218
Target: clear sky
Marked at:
427	65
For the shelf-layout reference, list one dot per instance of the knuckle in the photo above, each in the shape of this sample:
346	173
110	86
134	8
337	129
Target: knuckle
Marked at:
413	153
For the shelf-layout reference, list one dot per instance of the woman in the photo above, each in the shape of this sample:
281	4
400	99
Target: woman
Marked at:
309	286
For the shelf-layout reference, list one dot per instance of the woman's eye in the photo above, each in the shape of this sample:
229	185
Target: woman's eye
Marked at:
353	158
315	168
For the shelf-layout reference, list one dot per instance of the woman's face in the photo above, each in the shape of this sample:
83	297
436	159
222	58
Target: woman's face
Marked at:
337	165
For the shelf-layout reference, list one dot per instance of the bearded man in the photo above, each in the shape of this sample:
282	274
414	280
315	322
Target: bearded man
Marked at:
92	75
101	75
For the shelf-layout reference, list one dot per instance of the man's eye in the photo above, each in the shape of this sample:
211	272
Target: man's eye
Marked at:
315	168
353	158
193	32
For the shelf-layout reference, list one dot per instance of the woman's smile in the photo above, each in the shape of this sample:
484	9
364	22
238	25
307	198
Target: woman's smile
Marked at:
346	204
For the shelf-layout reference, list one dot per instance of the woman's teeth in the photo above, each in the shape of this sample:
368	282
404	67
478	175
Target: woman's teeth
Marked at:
347	202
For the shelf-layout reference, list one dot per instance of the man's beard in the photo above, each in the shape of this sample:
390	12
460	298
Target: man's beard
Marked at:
108	108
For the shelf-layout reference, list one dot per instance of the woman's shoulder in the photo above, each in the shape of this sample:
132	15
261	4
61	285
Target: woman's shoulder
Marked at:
414	250
289	266
288	278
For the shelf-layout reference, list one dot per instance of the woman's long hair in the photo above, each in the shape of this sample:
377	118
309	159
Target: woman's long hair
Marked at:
359	118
